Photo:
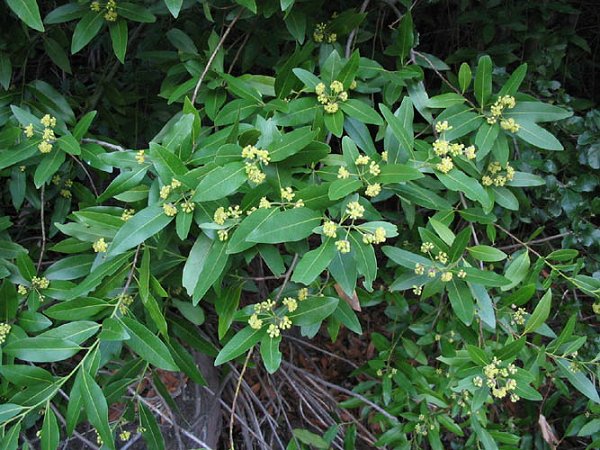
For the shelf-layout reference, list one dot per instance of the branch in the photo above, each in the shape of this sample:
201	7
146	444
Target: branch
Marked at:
104	144
214	55
43	225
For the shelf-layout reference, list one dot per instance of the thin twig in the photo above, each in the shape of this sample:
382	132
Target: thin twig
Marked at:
168	420
287	277
43	226
475	238
89	176
104	144
238	52
214	55
537	241
352	35
235	397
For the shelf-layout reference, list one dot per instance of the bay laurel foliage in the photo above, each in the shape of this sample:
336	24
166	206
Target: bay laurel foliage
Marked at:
340	174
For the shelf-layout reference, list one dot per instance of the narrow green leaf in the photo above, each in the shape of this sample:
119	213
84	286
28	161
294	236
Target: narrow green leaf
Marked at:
96	408
486	253
239	344
287	226
314	262
270	353
313	310
540	313
28	12
86	29
142	226
147	345
483	80
461	301
118	36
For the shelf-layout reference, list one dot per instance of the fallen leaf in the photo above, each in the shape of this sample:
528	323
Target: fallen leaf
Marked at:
548	432
352	301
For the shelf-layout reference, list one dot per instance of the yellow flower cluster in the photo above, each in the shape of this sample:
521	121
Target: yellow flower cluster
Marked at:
125	302
125	435
221	215
254	322
419	269
188	207
497	109
291	303
446	276
499	381
329	100
423	426
417	289
48	136
442	257
377	237
110	7
426	247
462	274
254	157
330	229
518	317
223	235
140	156
127	214
494	174
322	35
277	323
4	332
446	165
343	246
170	209
355	210
440	127
373	190
22	290
166	190
343	173
287	194
40	282
100	246
303	294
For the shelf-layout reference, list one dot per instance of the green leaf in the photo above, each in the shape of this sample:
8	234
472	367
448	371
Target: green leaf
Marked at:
486	253
212	269
113	330
142	226
485	139
96	408
96	276
457	181
461	300
28	12
287	226
540	313
314	262
78	309
446	100
134	12
57	54
514	81
442	231
42	349
398	173
126	180
398	129
248	4
564	254
10	441
168	165
9	410
485	277
237	242
147	345
460	243
86	29
537	136
406	38
291	143
25	375
505	198
310	438
578	380
47	167
361	111
404	258
174	7
366	262
313	310
348	317
483	80
537	112
340	188
464	77
242	89
517	270
524	179
334	123
118	36
221	182
50	435
69	144
270	353
151	434
239	344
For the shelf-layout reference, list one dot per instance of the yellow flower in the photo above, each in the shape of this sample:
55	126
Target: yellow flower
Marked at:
40	282
373	190
332	38
446	165
441	147
29	130
462	274
165	191
188	207
255	175
95	6
510	125
249	152
175	183
320	89
48	134
417	289
140	156
45	147
362	160
487	180
330	229
343	246
426	247
65	193
456	149
125	435
273	331
48	121
353	85
264	203
440	127
384	156
442	257
343	173
470	152
291	303
287	194
343	96
508	101
169	209
111	16
478	381
336	87
223	235
446	276
374	169
4	332
22	290
303	294
127	214
419	269
355	210
499	180
285	323
331	108
254	322
100	246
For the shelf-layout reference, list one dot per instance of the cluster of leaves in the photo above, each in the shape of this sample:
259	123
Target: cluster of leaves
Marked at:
342	176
